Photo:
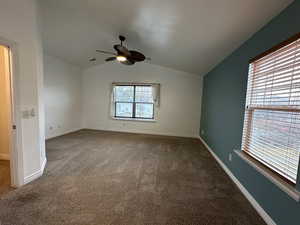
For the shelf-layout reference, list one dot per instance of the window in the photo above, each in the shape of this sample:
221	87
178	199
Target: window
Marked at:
134	101
271	132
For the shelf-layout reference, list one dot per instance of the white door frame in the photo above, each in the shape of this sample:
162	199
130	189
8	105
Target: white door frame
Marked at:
16	153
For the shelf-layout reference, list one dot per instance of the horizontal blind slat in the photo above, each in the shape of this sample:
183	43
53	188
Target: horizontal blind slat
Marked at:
271	132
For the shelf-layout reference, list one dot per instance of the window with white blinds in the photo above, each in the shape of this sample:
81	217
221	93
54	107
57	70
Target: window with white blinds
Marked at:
271	132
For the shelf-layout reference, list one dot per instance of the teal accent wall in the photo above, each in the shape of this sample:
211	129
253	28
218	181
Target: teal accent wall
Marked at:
222	115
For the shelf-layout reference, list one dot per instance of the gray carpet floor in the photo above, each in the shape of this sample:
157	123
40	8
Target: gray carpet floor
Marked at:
110	178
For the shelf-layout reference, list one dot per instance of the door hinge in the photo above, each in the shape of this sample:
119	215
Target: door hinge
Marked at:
14	127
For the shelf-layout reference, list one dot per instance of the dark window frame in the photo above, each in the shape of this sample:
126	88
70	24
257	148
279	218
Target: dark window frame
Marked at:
276	47
133	103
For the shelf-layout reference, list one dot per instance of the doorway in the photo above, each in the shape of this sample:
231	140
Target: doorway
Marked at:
5	120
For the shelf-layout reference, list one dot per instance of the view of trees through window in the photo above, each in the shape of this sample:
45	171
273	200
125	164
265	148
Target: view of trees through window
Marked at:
134	101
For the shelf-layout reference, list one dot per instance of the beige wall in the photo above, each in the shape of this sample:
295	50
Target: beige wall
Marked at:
4	104
62	94
180	94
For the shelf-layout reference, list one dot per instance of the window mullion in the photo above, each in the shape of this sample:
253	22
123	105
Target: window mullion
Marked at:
153	111
133	105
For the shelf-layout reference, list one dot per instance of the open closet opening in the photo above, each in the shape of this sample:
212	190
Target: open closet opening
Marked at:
5	120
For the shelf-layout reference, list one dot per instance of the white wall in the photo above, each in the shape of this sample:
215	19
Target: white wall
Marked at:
19	26
179	111
62	85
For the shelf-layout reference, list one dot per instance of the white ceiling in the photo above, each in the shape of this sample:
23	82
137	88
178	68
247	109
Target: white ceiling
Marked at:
188	35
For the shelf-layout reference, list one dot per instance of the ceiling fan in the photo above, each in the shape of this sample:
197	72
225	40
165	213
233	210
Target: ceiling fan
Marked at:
122	54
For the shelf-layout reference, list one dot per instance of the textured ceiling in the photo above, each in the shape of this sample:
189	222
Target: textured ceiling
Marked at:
187	35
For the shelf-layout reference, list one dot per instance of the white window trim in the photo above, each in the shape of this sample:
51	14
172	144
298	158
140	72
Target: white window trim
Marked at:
135	119
156	103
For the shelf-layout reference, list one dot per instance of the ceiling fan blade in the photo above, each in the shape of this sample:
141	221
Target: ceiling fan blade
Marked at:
132	56
122	50
110	59
137	56
92	59
106	52
128	62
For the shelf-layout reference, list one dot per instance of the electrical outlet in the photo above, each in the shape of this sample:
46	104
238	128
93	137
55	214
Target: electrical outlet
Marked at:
230	157
202	132
50	128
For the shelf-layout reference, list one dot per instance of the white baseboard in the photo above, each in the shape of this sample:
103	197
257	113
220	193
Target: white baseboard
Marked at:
250	198
36	174
44	165
63	133
144	133
4	156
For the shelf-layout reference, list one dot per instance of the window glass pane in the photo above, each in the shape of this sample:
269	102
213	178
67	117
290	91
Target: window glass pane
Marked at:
143	94
124	93
144	110
275	140
124	109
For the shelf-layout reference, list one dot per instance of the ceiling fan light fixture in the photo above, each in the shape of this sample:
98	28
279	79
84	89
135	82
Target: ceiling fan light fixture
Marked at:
123	55
121	58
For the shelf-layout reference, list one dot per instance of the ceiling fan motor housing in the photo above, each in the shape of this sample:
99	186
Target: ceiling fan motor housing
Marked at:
122	38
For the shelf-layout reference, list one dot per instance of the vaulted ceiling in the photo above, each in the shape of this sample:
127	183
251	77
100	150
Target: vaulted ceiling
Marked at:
187	35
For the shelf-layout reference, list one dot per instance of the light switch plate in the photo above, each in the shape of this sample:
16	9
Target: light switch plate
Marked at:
230	157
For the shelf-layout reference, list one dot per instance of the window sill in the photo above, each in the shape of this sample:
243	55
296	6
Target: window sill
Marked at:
279	182
135	119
